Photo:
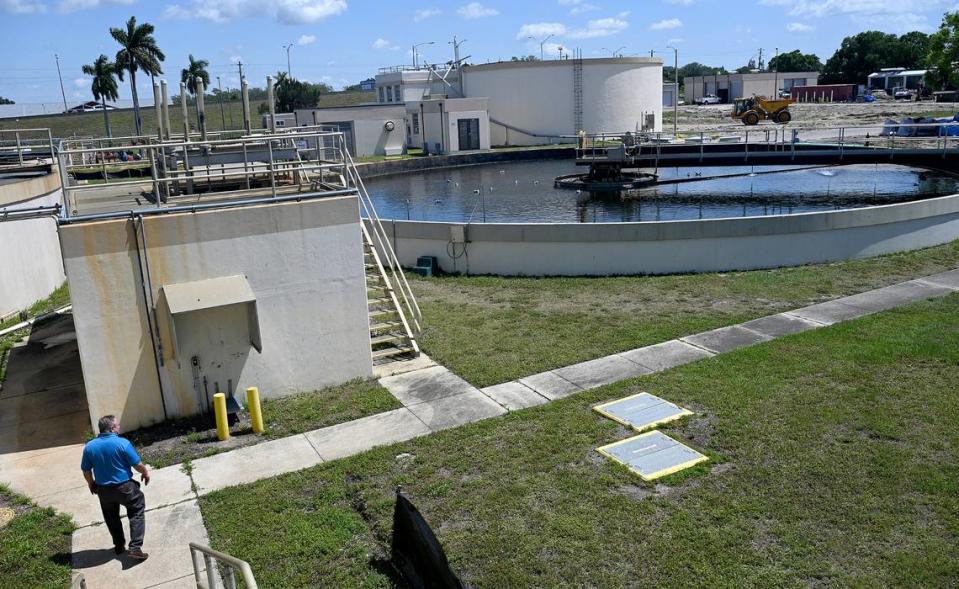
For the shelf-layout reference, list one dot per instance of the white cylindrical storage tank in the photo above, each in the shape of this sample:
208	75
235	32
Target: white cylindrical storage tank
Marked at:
533	100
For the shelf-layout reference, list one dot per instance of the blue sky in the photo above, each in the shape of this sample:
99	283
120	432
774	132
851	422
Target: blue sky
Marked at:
344	41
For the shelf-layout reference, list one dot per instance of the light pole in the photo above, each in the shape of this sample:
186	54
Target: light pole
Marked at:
776	76
59	75
287	47
541	43
220	96
675	89
415	64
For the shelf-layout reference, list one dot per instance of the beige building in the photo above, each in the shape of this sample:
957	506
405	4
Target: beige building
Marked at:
449	125
369	129
729	87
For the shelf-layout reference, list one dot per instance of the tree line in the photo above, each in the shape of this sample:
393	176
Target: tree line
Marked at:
864	53
139	52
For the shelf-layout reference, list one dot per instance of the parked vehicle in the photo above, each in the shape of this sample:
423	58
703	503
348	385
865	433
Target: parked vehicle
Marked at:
709	99
903	94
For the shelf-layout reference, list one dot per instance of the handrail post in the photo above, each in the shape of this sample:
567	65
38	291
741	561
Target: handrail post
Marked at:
19	148
269	146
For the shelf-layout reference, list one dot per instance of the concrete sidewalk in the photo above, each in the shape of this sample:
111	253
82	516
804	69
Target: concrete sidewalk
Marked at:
433	398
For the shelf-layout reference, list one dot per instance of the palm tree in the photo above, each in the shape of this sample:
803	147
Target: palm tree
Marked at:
189	75
104	84
139	51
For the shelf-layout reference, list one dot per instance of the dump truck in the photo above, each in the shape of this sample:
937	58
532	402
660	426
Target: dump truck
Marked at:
752	110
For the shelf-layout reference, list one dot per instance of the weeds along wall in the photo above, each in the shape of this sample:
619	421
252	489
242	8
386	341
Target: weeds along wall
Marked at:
30	263
272	295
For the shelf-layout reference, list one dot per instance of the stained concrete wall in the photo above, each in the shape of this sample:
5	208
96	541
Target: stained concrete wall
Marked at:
30	263
303	262
680	246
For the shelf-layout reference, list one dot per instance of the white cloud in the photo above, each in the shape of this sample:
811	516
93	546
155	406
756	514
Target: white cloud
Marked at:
541	29
824	8
288	12
603	27
82	82
476	10
235	59
21	6
425	13
306	40
552	48
74	5
798	27
578	6
667	24
382	43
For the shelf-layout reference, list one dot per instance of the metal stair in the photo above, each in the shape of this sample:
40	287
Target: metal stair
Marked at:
394	314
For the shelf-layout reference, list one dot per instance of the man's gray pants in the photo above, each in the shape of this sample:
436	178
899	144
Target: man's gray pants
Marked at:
128	495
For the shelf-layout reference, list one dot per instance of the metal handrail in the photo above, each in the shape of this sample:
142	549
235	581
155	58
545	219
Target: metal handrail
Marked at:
382	240
210	559
20	144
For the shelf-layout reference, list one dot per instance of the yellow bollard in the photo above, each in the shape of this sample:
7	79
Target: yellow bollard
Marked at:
253	405
222	425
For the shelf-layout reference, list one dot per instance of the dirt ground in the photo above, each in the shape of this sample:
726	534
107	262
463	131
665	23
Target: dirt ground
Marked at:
714	117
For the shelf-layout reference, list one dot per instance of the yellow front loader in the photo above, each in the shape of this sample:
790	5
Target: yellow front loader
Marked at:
758	108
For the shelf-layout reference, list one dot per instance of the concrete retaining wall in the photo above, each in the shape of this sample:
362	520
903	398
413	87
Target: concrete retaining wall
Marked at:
303	262
679	246
30	263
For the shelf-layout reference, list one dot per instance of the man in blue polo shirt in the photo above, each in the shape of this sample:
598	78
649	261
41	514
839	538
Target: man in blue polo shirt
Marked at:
107	460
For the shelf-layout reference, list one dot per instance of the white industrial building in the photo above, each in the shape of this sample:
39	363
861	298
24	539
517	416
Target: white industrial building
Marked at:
503	103
729	87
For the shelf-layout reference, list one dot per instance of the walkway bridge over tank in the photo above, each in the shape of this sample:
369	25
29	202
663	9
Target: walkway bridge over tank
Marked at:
929	146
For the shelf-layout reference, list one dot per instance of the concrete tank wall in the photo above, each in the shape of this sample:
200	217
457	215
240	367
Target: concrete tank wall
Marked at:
680	246
303	262
30	263
538	96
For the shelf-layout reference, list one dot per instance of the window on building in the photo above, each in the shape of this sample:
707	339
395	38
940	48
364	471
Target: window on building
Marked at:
389	94
416	123
396	93
382	94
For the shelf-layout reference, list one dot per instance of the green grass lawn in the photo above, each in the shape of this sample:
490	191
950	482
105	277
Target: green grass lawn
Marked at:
834	462
177	441
34	546
490	330
57	299
91	124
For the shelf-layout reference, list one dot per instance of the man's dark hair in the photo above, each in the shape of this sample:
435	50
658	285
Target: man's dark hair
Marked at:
106	423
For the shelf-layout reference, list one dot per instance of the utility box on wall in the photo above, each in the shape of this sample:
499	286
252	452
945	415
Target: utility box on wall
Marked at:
271	295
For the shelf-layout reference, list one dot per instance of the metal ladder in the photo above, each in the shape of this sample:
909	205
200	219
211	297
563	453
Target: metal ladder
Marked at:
577	91
394	314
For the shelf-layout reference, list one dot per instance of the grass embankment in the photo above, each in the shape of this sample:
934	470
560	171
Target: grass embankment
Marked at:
180	440
34	545
490	330
834	461
58	298
91	124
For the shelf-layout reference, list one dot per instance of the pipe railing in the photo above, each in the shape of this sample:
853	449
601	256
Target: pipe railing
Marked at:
175	169
206	563
25	146
598	146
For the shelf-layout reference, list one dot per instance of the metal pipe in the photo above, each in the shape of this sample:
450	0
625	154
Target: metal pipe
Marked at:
245	99
166	109
186	113
201	111
158	108
272	102
147	290
207	206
